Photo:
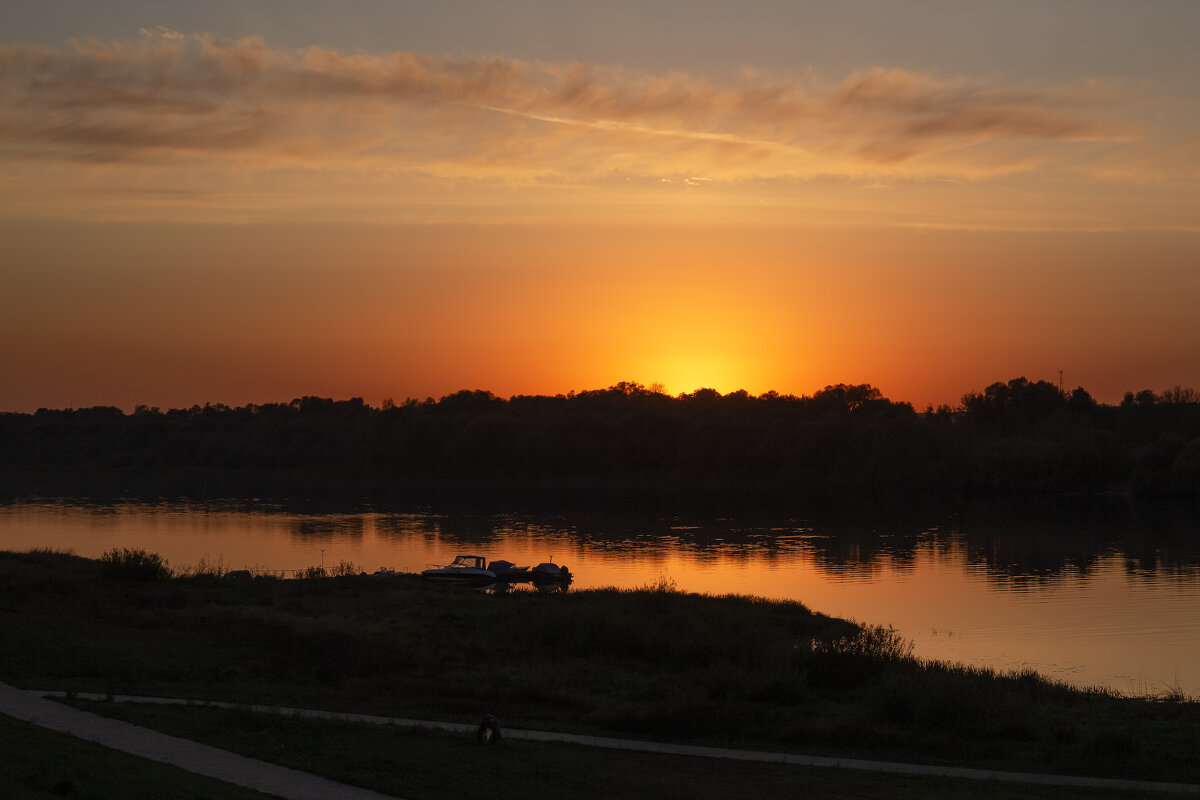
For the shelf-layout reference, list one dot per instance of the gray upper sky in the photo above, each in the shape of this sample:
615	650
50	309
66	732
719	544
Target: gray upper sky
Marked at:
1017	40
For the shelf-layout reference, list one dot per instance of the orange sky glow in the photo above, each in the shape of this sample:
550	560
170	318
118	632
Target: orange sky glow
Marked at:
222	214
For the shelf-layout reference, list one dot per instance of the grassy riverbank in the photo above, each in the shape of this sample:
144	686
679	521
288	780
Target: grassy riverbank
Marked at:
654	664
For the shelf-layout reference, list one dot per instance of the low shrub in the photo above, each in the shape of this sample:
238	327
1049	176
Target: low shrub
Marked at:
135	564
852	659
875	642
665	584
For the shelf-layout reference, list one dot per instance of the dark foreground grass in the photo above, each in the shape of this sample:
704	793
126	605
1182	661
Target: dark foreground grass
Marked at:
655	664
429	765
38	763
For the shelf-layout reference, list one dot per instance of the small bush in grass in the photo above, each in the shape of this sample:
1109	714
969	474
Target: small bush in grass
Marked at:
869	641
664	585
316	571
852	659
204	569
134	563
344	568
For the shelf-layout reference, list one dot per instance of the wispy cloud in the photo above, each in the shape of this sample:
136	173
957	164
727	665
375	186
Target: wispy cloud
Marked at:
169	99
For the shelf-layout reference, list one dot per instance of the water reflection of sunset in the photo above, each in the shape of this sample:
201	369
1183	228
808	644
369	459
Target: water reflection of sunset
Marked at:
960	595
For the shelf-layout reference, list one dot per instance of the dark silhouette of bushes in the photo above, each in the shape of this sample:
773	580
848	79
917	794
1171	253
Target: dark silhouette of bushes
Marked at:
629	440
134	564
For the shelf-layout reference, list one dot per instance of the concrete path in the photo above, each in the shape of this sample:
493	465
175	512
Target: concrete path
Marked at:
614	744
192	756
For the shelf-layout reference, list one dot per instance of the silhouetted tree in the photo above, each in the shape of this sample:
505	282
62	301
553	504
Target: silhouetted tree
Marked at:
1179	394
1080	400
1012	435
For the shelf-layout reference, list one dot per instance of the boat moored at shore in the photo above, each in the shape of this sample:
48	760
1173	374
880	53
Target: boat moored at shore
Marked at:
550	573
463	569
477	571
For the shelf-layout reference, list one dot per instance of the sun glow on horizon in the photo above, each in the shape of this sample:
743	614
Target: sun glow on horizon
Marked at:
685	373
243	212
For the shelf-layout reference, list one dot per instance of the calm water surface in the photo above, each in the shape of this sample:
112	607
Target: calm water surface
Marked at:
1102	597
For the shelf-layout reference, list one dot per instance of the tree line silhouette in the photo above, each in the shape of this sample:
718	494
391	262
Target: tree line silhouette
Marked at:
1017	435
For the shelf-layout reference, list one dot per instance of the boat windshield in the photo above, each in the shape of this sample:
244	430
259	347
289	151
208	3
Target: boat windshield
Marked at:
467	561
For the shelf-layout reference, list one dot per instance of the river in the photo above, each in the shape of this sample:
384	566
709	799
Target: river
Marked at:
1106	595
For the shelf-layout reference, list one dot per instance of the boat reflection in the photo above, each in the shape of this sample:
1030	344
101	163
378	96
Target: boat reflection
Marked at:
504	587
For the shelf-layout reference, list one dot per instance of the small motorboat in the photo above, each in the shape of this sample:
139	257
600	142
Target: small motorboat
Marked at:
550	573
508	572
463	569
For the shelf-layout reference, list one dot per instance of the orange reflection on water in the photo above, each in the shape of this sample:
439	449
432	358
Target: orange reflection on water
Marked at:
1090	623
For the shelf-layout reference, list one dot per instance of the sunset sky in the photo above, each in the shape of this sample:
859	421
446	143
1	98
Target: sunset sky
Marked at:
246	202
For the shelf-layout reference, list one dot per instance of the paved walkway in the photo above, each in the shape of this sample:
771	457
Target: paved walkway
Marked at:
192	756
548	736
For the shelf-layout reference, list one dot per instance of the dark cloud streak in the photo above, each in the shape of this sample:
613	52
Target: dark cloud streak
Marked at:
165	92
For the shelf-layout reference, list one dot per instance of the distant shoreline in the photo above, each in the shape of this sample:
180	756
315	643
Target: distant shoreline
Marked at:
626	445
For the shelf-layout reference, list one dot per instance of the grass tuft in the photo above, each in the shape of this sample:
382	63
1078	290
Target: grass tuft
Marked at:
203	569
